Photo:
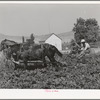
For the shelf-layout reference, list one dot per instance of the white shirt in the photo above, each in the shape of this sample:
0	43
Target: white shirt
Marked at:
86	46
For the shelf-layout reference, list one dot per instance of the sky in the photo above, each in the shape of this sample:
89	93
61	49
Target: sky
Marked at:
24	19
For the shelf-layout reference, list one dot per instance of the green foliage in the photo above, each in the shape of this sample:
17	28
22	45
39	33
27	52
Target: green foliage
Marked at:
73	73
72	43
23	39
75	48
65	45
31	40
87	29
32	37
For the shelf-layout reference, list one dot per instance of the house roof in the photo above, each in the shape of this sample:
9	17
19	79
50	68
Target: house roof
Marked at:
44	38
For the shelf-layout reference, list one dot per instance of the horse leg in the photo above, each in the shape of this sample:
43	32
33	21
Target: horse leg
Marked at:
52	60
54	63
25	64
44	61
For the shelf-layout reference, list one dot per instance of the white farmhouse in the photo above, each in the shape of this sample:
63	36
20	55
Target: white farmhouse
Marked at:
52	39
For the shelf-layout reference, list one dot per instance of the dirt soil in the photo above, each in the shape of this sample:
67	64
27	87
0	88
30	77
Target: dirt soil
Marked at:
71	73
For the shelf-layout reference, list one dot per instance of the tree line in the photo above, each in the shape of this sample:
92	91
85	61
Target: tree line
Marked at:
87	29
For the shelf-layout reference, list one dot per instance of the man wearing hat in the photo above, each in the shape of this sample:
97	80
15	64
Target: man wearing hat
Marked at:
85	47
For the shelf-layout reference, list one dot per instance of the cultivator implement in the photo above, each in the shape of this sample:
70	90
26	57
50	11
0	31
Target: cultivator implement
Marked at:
29	63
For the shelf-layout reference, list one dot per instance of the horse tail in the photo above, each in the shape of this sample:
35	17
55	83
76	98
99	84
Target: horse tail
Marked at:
57	51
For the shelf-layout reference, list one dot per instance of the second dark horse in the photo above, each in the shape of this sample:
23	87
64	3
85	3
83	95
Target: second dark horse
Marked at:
35	52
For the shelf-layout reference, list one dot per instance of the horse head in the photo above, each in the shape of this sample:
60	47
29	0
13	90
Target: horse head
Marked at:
6	43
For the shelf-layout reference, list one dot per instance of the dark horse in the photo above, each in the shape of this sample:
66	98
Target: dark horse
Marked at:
5	47
6	43
35	52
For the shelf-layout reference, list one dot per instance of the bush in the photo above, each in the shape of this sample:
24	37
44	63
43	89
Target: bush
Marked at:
87	29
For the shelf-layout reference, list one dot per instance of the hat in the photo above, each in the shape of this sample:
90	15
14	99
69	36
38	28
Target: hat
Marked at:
82	40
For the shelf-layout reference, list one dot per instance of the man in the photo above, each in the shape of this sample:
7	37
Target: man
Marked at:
85	47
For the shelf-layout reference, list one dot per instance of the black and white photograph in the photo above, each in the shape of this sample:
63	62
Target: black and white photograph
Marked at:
49	46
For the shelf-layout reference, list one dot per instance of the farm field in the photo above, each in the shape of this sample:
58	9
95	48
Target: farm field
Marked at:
71	73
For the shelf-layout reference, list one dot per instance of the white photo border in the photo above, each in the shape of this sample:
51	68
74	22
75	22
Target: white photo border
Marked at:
51	93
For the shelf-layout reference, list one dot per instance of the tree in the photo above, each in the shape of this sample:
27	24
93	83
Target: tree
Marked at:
87	29
72	43
23	39
32	38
